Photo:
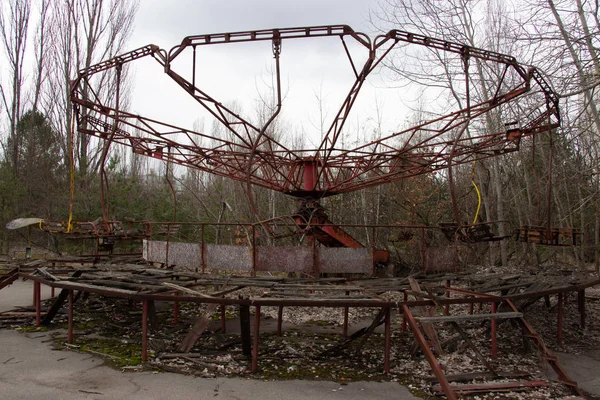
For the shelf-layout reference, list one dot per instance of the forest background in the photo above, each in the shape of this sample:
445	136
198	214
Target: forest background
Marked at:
46	42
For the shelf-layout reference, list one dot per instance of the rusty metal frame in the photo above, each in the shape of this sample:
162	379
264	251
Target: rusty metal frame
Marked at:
404	307
259	159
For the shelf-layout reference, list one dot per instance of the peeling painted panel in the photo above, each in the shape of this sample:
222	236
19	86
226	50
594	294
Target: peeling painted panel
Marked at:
228	257
287	259
182	254
345	260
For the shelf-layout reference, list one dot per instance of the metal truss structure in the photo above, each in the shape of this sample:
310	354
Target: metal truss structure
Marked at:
253	155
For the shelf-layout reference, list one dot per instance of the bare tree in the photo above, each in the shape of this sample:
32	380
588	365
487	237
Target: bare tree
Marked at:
14	23
85	32
40	52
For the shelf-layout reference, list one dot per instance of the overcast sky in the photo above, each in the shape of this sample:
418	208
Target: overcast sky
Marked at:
312	69
167	22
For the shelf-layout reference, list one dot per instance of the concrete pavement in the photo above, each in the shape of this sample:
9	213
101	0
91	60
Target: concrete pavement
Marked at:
30	369
20	293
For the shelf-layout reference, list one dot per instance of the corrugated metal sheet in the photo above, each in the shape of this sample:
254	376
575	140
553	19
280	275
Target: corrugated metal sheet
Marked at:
345	260
228	258
268	258
287	259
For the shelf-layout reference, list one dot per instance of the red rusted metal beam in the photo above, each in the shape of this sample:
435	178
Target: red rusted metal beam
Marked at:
345	324
327	169
493	332
273	302
559	319
223	318
279	319
176	310
388	340
255	339
37	296
424	345
581	307
8	280
467	389
70	319
145	330
530	333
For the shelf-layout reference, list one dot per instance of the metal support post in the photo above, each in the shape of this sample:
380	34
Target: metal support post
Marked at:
70	319
559	319
494	328
145	330
255	339
581	307
37	296
386	352
279	320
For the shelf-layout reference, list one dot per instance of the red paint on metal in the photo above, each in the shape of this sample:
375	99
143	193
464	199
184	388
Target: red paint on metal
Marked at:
37	296
223	318
447	307
559	319
404	299
70	319
255	339
310	175
176	310
144	330
279	319
581	307
388	341
424	345
493	334
345	325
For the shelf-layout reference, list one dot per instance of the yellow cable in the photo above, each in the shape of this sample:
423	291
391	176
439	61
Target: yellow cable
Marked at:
477	191
478	202
72	173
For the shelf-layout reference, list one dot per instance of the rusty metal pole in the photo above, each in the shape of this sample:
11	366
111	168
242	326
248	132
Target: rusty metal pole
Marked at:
423	253
471	308
374	265
448	295
433	362
386	352
255	339
279	320
223	318
176	311
581	307
202	246
70	319
494	328
253	250
559	319
346	309
245	329
52	292
405	299
37	295
144	330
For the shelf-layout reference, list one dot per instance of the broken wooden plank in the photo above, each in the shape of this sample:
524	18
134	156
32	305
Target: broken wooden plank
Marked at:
427	328
469	376
186	290
463	334
201	323
493	387
469	317
44	271
62	297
